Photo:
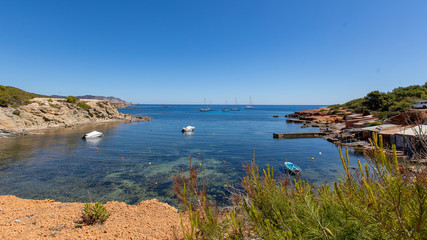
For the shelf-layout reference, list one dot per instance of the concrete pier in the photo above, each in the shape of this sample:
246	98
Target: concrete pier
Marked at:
298	135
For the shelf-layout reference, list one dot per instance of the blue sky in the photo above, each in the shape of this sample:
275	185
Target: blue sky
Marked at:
182	51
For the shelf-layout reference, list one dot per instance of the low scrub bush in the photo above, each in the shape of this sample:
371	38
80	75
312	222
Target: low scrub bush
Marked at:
11	96
386	104
4	102
53	105
84	105
379	200
72	99
16	112
94	213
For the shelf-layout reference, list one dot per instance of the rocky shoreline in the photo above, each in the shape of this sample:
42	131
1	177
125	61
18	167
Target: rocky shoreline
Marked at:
331	126
348	129
47	113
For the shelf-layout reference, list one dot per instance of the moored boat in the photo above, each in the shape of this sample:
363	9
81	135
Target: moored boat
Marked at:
292	168
235	108
93	134
188	129
207	109
250	104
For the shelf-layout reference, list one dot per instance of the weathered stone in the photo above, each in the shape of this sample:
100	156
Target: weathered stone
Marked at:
43	113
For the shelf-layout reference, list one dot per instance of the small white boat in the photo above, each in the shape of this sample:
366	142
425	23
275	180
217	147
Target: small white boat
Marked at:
292	168
93	134
188	129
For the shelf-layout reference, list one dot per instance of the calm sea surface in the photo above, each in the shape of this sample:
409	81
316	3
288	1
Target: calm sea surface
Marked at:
60	165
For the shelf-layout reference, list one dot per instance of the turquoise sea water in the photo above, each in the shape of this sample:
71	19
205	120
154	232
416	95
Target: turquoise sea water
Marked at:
60	165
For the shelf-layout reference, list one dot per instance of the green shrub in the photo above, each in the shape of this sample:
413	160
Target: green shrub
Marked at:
4	102
72	99
50	100
376	123
16	112
53	105
84	105
95	213
332	112
387	104
11	96
379	200
335	106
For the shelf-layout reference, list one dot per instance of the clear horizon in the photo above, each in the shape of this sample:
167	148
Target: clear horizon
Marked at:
171	52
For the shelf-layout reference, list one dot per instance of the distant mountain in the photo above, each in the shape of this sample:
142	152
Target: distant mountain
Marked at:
102	98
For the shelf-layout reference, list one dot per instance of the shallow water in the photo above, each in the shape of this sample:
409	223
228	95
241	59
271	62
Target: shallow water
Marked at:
60	165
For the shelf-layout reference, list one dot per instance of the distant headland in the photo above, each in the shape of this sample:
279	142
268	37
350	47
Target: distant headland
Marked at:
21	111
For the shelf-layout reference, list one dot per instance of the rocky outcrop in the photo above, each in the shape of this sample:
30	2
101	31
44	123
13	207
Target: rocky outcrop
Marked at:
56	112
321	115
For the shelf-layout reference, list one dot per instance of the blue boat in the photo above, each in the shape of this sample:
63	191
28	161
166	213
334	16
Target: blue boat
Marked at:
292	168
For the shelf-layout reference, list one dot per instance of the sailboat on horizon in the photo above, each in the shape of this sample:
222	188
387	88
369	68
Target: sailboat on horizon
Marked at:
235	106
250	104
206	108
226	106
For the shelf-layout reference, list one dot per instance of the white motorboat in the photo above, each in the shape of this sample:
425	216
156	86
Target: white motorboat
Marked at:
93	134
188	129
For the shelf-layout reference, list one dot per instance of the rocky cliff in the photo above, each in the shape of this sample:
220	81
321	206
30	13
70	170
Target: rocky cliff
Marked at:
56	112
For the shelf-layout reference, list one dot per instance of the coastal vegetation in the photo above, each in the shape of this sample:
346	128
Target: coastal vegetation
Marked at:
14	97
72	99
386	104
377	200
94	213
83	105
